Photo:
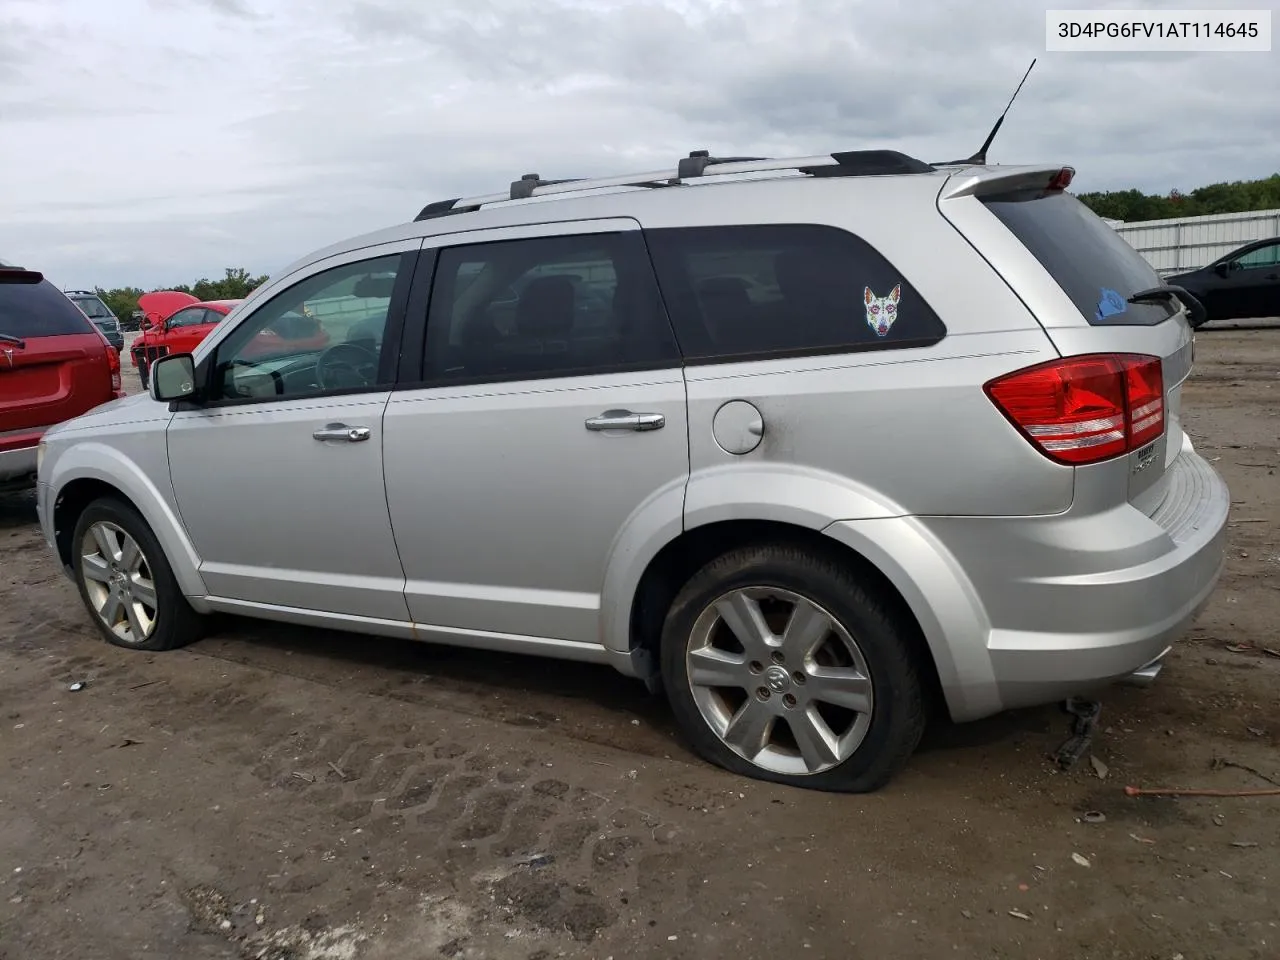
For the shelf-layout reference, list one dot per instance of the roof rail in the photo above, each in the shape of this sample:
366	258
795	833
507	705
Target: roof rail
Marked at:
698	165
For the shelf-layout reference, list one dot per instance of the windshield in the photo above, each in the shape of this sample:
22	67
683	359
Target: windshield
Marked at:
38	310
1092	263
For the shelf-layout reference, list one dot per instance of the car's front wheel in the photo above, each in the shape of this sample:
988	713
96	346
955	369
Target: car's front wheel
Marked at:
126	581
783	665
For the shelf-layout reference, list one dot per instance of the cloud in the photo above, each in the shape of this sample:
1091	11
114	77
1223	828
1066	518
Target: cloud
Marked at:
166	139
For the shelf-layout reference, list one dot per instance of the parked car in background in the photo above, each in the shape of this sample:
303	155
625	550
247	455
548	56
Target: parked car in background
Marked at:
1242	285
176	322
54	365
814	452
100	314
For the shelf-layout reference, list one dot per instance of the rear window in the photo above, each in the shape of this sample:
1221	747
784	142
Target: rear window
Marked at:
1092	263
94	308
38	310
773	289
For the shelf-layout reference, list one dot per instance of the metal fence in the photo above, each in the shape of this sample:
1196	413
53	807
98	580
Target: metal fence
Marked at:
1186	243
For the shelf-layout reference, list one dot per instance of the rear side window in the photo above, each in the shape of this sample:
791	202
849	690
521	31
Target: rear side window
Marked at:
546	307
734	292
38	310
1092	263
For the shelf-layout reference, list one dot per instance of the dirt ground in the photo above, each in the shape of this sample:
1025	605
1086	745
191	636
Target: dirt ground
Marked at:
299	795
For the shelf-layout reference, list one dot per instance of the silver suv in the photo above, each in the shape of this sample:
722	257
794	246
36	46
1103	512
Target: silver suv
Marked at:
812	444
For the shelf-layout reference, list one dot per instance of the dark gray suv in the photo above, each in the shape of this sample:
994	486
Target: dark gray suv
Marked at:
100	314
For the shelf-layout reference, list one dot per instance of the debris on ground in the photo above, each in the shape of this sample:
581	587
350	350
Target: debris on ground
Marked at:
1132	791
1095	816
1099	767
1083	861
1217	763
1019	914
78	686
1084	715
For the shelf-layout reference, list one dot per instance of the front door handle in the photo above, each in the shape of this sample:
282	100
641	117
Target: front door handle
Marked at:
340	431
626	420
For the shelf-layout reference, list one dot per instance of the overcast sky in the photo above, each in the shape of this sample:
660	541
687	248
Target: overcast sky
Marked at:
155	141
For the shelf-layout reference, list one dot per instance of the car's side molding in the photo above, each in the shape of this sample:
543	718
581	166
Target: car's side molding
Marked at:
89	460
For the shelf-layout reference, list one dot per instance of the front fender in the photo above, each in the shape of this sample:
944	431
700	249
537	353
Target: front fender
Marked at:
89	460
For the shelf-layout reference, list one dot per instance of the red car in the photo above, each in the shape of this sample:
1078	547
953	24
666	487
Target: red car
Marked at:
176	322
54	365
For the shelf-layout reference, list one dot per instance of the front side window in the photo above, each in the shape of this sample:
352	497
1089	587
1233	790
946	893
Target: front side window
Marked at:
738	291
191	317
1261	257
321	335
550	306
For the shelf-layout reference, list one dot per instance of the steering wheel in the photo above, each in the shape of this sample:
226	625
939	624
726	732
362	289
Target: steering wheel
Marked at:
346	365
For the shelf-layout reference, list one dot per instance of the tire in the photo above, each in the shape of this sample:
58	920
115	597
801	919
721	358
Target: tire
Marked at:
163	623
868	730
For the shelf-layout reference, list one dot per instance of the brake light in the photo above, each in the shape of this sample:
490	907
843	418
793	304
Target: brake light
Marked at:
1062	179
113	364
1085	409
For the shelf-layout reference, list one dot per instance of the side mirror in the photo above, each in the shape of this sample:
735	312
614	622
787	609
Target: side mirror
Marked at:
173	377
144	323
1222	269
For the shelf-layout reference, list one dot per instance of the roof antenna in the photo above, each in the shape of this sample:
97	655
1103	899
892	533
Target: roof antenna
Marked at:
981	156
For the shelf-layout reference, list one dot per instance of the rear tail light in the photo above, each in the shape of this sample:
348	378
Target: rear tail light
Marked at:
1085	409
113	364
1062	178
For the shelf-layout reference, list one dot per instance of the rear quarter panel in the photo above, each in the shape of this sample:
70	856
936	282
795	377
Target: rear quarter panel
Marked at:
885	432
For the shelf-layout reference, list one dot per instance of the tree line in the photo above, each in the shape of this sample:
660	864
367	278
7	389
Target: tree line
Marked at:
1240	196
237	284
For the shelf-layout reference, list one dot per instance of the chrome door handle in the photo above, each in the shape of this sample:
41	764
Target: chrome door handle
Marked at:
626	420
340	431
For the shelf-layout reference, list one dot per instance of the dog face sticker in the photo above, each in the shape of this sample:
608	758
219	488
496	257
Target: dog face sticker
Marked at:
882	311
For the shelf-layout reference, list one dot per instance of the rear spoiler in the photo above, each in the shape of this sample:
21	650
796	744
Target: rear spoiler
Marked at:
19	275
982	181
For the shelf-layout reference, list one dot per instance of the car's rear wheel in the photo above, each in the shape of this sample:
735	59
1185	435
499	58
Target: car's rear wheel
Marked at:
126	582
782	665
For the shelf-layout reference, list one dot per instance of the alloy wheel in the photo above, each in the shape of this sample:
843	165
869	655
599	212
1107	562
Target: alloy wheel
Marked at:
780	680
118	581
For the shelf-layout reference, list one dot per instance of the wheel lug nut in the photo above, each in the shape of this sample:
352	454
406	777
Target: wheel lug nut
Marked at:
763	693
756	666
777	656
799	677
789	700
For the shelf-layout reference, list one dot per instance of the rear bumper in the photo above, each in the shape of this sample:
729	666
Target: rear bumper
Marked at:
1076	603
1021	611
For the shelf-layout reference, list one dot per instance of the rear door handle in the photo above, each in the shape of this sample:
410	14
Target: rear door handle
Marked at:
626	420
340	431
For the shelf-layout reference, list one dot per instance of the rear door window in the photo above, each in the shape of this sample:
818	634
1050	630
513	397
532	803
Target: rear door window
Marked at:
38	310
737	292
1092	263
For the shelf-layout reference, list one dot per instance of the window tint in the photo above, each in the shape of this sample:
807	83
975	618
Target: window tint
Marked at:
1267	256
735	291
38	310
323	334
1092	263
552	306
191	317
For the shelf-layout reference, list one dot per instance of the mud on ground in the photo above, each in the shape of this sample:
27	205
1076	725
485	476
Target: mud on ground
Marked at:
286	793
